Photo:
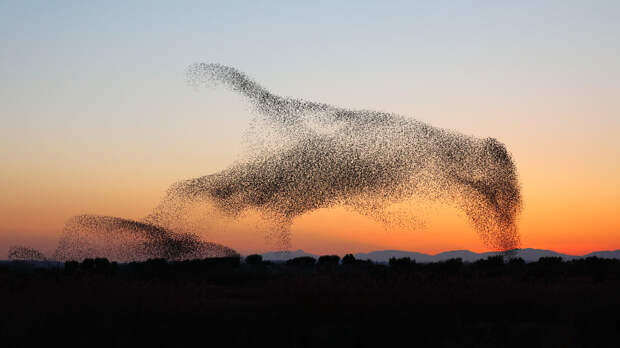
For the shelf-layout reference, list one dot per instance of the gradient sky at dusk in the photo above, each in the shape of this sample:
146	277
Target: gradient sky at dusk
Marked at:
96	116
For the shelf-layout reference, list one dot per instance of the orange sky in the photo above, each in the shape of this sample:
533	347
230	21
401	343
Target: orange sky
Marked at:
557	215
569	181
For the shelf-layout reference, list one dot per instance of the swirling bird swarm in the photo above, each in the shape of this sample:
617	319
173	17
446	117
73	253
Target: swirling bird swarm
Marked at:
326	156
311	156
89	236
21	253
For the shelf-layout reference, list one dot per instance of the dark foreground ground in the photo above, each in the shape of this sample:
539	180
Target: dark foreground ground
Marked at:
225	302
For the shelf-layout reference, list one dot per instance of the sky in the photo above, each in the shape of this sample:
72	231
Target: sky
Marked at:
96	116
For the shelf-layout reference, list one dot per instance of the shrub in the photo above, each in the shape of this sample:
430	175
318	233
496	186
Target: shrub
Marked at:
329	260
302	261
550	260
254	259
72	266
403	263
453	265
516	262
348	259
491	262
88	264
222	262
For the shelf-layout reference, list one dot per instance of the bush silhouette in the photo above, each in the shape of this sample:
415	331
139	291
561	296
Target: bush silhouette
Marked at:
72	266
491	262
223	262
87	265
402	262
302	261
329	260
348	259
254	259
550	260
452	265
516	261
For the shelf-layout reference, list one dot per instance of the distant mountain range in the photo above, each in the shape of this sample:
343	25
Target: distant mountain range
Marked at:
529	255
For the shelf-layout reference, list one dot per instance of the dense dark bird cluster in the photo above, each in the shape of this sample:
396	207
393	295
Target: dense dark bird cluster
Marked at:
310	156
89	236
324	156
20	253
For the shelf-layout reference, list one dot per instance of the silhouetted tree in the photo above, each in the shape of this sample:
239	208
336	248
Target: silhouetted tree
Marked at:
452	266
254	259
550	260
348	259
400	264
516	262
158	268
329	260
491	266
548	268
71	266
598	268
223	262
302	261
87	264
490	262
103	266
